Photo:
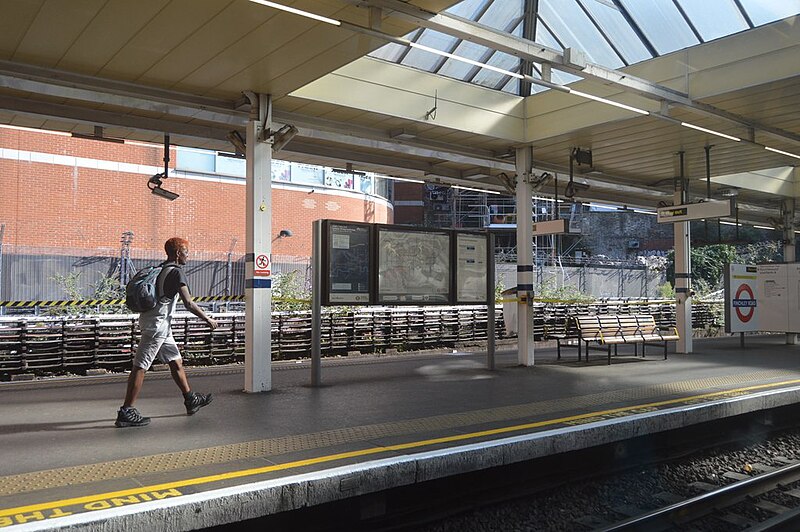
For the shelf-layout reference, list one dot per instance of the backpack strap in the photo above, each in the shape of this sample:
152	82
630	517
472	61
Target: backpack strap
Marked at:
162	278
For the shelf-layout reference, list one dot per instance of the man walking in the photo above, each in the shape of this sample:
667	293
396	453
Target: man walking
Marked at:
157	339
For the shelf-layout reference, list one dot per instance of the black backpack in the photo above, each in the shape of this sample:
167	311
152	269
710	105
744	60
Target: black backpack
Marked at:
141	292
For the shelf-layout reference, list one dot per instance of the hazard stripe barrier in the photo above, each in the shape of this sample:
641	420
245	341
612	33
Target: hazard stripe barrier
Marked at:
100	302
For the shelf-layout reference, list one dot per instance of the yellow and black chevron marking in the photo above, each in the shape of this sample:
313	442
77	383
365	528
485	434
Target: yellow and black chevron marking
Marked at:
96	302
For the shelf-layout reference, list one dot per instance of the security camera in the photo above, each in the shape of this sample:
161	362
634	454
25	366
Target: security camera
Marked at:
154	184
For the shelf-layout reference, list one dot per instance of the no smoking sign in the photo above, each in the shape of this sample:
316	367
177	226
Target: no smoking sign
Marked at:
262	266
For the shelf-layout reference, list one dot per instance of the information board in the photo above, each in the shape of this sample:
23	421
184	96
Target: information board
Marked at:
773	295
413	266
349	256
741	298
471	267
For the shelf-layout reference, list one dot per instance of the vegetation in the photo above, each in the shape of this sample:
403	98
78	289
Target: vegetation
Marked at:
708	263
104	289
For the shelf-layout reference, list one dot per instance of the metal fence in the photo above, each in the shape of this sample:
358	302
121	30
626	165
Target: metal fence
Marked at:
32	274
603	281
75	344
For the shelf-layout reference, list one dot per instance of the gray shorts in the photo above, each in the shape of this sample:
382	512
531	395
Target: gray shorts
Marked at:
153	345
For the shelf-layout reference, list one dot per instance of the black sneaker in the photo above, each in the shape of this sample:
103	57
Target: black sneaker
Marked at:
130	417
196	401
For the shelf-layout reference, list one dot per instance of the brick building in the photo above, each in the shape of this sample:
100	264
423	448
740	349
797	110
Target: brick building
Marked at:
70	193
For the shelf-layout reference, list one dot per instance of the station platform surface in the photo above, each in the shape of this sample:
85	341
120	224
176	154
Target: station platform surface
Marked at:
376	423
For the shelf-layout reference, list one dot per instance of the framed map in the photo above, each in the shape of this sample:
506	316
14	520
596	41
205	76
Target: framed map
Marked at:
413	266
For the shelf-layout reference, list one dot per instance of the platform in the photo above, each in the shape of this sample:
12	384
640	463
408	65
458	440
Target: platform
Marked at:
376	423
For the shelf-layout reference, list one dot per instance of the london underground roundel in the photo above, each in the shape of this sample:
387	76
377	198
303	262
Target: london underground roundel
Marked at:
745	306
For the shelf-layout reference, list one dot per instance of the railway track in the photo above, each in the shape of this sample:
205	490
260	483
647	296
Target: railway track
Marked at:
739	504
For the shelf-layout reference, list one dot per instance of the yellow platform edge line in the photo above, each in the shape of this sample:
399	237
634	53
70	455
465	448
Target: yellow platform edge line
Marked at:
374	450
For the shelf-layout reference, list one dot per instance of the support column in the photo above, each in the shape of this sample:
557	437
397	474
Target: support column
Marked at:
258	275
525	256
683	272
789	251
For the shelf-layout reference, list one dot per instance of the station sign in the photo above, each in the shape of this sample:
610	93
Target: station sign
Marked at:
695	211
551	227
741	301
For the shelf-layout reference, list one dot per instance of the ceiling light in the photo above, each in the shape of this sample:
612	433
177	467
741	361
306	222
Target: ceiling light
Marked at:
407	180
298	12
464	60
645	212
711	131
782	152
764	227
475	189
608	102
729	223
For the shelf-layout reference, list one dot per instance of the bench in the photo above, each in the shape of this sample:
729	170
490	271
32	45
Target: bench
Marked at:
614	329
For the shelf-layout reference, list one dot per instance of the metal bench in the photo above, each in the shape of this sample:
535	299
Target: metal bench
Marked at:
614	329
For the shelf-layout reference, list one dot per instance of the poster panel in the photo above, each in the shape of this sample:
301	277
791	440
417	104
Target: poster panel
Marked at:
413	266
793	283
773	297
471	268
347	249
741	298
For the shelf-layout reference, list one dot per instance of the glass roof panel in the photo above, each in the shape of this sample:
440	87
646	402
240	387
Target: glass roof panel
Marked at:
714	18
468	8
390	52
662	23
458	69
543	36
503	14
617	29
426	60
599	28
512	86
490	78
765	11
575	30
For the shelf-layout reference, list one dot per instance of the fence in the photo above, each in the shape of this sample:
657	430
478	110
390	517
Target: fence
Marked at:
30	274
70	344
607	281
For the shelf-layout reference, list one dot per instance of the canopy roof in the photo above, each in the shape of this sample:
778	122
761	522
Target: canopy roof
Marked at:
140	69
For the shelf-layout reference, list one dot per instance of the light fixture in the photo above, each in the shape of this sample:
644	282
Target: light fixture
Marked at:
640	211
764	227
607	101
459	187
154	183
282	137
782	152
296	11
465	60
285	233
711	131
406	179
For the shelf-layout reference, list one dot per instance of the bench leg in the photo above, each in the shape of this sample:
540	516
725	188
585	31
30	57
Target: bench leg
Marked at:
635	349
665	350
558	348
609	353
643	347
579	350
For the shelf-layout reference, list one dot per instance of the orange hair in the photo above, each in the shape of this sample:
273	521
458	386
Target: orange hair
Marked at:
172	246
